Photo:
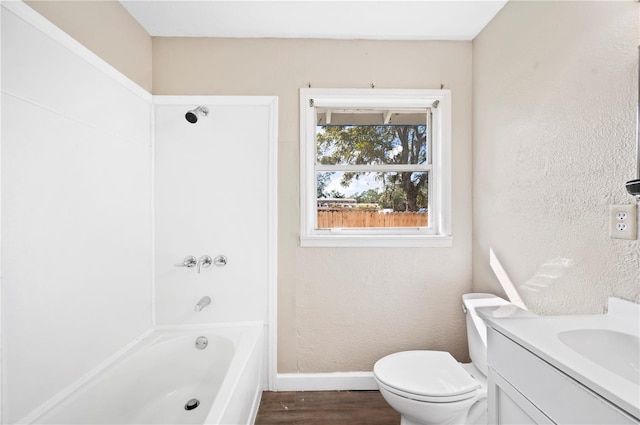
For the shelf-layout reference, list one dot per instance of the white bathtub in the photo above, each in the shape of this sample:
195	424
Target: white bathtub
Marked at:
153	382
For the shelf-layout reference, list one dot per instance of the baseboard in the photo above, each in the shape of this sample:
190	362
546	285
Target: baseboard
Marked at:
338	381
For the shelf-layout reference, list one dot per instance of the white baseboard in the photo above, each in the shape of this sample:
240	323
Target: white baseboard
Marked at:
339	381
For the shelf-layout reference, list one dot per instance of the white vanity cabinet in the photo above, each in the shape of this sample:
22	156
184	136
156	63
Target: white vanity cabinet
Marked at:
525	389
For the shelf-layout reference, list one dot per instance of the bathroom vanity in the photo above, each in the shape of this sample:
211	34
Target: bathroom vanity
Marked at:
565	369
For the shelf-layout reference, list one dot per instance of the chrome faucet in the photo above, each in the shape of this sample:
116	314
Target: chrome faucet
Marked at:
189	261
204	261
205	301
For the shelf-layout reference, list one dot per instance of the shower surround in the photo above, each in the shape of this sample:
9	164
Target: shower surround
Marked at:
212	198
97	176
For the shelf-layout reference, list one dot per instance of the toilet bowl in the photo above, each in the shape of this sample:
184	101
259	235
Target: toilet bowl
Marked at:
431	387
427	387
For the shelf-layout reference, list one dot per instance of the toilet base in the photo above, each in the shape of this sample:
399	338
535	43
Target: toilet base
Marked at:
413	412
477	415
405	421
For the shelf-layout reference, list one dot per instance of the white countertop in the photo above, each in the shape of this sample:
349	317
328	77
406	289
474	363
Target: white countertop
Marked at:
539	334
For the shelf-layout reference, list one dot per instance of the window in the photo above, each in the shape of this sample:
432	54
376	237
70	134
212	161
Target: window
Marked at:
375	167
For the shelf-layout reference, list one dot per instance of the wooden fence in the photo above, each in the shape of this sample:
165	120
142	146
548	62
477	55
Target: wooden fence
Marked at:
347	218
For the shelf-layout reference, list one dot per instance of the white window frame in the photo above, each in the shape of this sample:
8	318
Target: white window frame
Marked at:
438	234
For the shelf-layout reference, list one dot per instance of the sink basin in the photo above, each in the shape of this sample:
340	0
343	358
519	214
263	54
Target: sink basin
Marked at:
615	351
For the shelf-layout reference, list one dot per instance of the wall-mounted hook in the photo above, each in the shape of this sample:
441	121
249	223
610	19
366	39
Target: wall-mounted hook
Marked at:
373	86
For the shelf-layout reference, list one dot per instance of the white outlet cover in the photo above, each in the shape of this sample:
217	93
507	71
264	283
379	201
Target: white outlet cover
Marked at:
623	222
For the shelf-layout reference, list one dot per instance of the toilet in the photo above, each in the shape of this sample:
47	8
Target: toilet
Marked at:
431	387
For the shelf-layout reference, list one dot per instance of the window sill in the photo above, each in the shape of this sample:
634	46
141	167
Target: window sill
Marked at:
376	241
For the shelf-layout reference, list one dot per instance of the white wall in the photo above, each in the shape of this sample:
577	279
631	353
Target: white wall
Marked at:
555	97
76	212
212	197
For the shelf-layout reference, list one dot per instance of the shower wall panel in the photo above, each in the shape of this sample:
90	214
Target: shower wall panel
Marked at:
212	198
76	209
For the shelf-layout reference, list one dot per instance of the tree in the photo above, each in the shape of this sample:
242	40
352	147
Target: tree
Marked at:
371	196
394	198
321	185
379	144
335	194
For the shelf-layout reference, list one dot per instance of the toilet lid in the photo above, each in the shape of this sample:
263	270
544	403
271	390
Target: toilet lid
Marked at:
425	373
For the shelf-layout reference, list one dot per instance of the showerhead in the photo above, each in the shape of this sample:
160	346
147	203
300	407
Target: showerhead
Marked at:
192	115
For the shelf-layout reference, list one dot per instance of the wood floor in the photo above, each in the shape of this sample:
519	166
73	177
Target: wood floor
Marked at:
325	408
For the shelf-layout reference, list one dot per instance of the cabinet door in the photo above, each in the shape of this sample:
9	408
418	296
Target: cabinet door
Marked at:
508	407
551	391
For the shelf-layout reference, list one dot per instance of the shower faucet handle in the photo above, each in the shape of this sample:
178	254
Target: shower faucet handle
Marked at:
189	261
204	261
220	261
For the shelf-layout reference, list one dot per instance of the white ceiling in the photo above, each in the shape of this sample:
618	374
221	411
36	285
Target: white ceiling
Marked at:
380	20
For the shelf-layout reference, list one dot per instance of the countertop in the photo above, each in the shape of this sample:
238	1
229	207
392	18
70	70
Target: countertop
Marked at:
539	335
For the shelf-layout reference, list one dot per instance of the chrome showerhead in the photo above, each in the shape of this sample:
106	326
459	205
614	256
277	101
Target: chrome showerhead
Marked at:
192	115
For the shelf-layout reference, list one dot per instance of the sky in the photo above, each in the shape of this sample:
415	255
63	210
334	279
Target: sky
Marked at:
365	182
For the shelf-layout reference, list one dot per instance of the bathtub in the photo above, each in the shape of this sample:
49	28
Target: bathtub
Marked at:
157	378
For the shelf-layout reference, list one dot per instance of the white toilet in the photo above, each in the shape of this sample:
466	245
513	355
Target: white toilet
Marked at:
431	387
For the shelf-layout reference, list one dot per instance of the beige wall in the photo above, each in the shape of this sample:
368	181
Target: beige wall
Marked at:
554	101
342	309
108	30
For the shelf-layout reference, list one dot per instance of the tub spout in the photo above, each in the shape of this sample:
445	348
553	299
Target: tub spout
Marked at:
205	301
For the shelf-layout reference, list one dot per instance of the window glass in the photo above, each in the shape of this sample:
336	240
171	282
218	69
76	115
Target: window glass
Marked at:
373	195
375	167
364	138
372	199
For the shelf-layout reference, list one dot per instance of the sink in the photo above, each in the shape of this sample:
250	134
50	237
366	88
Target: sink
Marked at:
615	351
601	352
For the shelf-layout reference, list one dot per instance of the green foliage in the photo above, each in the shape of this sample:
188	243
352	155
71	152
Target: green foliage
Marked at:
394	198
334	194
321	185
379	144
371	196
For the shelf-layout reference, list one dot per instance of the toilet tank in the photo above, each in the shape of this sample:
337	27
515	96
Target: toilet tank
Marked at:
476	327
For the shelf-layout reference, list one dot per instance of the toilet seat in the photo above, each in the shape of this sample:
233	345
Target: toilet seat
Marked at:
424	398
430	376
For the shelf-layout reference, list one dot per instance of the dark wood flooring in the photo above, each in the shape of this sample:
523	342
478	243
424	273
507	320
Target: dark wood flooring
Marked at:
325	408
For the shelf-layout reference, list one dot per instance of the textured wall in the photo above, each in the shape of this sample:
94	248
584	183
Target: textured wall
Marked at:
554	102
108	30
342	309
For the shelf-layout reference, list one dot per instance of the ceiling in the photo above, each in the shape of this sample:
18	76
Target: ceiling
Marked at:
378	20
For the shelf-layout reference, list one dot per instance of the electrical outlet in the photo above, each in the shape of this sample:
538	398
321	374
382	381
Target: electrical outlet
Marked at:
623	222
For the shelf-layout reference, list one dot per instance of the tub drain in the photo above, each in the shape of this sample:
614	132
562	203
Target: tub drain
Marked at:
192	404
201	342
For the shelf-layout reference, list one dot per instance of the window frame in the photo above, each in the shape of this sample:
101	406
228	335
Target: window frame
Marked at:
438	234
